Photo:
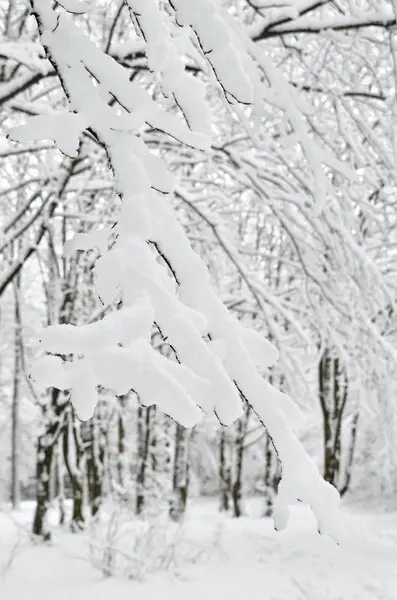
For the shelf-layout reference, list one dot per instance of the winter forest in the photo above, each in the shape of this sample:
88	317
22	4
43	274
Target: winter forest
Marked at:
198	299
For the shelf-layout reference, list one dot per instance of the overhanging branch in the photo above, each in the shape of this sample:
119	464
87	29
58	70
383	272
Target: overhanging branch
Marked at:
384	19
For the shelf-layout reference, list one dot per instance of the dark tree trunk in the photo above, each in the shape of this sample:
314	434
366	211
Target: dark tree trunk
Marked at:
71	435
121	441
333	392
53	417
95	463
43	473
180	479
163	455
77	522
154	450
270	459
237	492
225	471
144	443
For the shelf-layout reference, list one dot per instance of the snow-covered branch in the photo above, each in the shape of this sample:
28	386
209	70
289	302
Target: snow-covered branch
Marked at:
383	18
115	352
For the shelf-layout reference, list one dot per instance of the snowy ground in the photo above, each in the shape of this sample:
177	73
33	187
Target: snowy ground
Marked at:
230	559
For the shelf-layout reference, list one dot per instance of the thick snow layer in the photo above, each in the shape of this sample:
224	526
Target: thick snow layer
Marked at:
64	129
238	558
30	54
74	6
86	241
164	54
219	44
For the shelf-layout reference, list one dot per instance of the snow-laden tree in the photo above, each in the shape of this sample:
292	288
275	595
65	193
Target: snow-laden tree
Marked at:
146	262
287	258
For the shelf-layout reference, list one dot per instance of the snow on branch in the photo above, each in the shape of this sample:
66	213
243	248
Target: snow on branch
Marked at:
163	54
115	352
76	7
29	54
64	129
383	17
218	43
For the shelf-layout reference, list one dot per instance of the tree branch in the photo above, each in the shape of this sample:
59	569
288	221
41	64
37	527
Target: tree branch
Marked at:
385	19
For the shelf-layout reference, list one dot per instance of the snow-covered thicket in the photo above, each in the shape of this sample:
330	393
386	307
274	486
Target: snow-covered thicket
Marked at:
176	294
273	171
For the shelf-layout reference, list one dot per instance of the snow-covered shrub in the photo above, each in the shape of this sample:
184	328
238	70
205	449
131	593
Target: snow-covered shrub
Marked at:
23	541
121	545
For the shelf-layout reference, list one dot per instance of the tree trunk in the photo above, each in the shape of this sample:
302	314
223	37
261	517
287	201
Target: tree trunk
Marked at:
144	442
72	445
60	486
43	472
237	493
163	457
272	473
53	416
225	471
15	434
121	441
180	479
95	463
333	389
270	457
350	455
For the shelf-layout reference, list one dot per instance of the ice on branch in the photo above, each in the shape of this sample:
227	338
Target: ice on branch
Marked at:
151	267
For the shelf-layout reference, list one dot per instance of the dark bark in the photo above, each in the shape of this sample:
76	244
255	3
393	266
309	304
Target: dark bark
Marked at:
237	492
43	470
225	471
71	435
77	522
154	449
121	441
333	394
180	479
269	491
95	462
54	416
144	442
272	476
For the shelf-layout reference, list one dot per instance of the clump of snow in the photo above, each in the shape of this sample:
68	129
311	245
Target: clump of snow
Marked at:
86	241
30	54
64	129
76	7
